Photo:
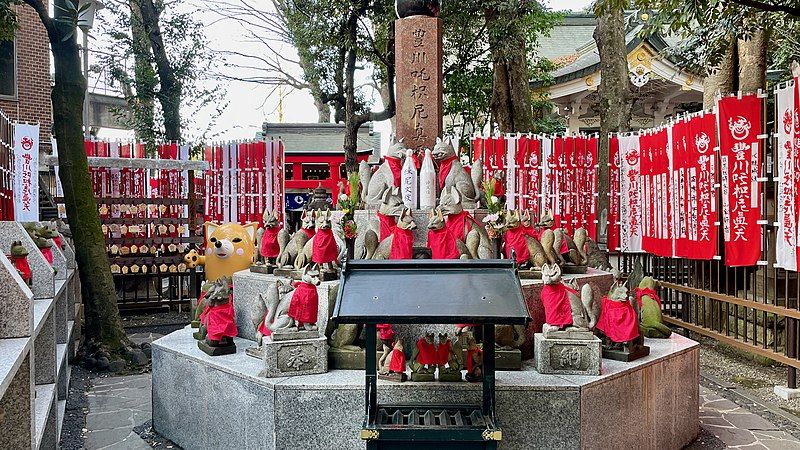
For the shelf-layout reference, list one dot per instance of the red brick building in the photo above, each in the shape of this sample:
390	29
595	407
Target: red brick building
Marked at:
25	75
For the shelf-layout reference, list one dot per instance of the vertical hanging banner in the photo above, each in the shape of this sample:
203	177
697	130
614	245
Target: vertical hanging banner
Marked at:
612	217
26	172
740	158
631	225
796	155
589	194
702	174
786	240
533	159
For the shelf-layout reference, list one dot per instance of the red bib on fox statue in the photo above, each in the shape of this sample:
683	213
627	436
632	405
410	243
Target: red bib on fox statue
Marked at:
47	252
325	249
398	362
262	328
402	244
220	320
460	224
618	321
396	164
57	240
444	170
269	242
22	266
640	292
427	352
443	353
442	244
385	333
305	303
388	224
515	240
555	299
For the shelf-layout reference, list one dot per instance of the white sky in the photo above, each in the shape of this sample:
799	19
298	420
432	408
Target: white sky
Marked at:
250	105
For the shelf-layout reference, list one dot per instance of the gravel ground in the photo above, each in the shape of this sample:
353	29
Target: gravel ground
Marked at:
729	365
155	440
706	441
73	431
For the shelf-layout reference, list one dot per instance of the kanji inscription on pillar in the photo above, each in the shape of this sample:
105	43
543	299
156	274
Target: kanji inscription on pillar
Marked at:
418	61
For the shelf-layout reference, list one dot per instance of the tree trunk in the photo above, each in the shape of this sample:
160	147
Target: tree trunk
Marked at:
721	79
615	95
323	110
351	125
753	62
511	96
384	90
103	321
169	96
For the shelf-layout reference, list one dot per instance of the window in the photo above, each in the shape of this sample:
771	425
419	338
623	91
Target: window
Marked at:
342	171
8	70
288	171
316	172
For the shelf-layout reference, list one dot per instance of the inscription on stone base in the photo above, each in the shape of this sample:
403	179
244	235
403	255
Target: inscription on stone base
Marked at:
299	357
567	356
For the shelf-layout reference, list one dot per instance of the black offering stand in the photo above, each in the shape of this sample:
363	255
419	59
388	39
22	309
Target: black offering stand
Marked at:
483	292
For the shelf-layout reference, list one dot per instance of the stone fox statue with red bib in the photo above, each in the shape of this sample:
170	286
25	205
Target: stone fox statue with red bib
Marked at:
564	308
453	175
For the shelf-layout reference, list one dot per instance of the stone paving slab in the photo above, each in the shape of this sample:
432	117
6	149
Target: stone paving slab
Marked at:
740	429
116	405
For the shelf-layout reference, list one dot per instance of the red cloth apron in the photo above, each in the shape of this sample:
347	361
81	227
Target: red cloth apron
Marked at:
269	242
499	188
443	353
398	362
444	170
555	299
220	320
402	244
305	303
310	232
442	244
385	332
325	249
427	352
618	320
21	264
388	224
57	240
460	224
640	292
262	328
515	240
532	232
397	168
470	353
47	252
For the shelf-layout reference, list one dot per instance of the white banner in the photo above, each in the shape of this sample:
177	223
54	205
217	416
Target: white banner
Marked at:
786	242
62	210
547	200
26	172
511	170
630	195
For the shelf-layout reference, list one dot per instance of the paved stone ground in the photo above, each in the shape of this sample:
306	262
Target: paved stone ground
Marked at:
116	405
739	428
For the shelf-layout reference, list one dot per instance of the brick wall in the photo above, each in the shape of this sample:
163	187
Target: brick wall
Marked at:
33	76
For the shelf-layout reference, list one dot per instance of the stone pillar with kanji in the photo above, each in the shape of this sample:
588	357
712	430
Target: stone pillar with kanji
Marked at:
418	61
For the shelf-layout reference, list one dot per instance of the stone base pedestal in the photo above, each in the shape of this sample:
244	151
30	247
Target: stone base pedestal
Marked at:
346	359
423	377
627	354
216	351
262	268
505	359
567	356
786	393
299	357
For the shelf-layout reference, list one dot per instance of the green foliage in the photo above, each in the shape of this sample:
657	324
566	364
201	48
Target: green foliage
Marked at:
475	32
131	66
8	20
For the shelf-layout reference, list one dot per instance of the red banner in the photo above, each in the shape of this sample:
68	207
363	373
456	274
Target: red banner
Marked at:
612	229
702	214
740	160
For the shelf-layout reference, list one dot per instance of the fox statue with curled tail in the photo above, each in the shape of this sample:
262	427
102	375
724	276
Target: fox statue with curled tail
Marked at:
453	175
564	308
386	177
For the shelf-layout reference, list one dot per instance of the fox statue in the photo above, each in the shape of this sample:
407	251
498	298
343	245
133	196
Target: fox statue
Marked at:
230	247
322	249
453	175
563	308
386	177
464	226
290	248
399	244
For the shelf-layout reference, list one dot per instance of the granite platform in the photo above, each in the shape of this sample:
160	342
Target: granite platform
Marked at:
223	403
247	285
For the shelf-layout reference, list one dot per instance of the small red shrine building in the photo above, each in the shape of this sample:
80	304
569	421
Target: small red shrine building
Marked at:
314	156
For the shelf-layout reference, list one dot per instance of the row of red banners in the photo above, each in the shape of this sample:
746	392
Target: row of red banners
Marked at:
667	185
243	179
544	173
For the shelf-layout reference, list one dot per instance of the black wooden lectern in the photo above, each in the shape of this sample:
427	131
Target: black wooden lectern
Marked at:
483	292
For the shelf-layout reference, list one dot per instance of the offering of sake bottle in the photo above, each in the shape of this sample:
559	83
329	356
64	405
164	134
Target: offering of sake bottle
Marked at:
427	182
409	188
